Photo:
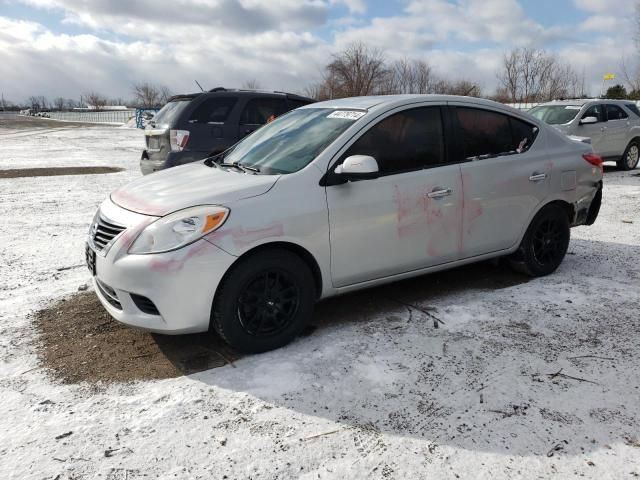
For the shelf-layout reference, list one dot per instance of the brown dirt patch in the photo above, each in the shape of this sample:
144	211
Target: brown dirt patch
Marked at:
54	171
80	342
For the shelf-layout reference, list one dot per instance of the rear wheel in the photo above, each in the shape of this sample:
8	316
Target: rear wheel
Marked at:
630	158
545	243
264	302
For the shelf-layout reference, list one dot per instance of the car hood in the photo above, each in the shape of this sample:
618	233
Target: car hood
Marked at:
181	187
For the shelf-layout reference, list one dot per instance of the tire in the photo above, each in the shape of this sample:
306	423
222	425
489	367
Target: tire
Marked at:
264	301
631	155
545	243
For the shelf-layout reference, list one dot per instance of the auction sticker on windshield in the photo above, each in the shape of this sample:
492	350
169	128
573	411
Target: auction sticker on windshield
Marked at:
346	114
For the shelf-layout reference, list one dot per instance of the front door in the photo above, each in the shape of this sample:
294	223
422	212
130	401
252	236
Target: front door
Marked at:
409	217
597	132
505	175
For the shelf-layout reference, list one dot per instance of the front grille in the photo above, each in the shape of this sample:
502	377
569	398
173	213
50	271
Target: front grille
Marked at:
103	231
109	294
144	304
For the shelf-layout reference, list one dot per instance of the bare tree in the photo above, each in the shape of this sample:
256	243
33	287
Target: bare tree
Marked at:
38	102
59	102
252	84
95	100
71	103
458	87
165	94
533	75
148	95
357	70
410	76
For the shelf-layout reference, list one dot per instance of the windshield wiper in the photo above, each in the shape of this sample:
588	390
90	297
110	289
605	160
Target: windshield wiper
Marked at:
215	160
247	167
218	161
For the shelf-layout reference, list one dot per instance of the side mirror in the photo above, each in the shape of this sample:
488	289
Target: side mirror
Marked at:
358	167
148	115
589	120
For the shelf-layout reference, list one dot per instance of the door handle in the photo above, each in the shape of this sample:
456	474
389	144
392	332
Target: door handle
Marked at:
439	193
537	177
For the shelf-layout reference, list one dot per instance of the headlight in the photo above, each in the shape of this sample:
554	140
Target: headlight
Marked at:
179	229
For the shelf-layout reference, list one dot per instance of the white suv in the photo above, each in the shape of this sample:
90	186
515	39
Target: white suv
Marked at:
612	125
334	197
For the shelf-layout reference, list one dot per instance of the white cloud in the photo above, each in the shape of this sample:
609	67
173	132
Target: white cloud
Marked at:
226	42
605	6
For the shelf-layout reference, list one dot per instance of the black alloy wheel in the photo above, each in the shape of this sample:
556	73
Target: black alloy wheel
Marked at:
268	304
545	243
264	301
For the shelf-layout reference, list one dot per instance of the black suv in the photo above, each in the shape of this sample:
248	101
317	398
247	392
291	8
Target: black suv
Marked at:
193	126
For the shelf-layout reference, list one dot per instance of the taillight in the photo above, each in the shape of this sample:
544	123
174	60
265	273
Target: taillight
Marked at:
178	139
595	160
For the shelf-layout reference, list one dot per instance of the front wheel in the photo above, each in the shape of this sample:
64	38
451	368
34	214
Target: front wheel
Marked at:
631	156
544	244
264	301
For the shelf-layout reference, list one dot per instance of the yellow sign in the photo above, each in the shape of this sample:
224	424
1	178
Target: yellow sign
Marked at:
609	76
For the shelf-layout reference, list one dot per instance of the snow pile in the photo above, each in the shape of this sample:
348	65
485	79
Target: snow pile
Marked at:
521	379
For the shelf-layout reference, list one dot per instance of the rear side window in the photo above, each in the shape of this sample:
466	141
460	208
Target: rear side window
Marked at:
614	112
405	141
485	134
633	107
259	111
213	110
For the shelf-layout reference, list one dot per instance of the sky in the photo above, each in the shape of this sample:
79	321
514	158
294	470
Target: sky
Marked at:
67	48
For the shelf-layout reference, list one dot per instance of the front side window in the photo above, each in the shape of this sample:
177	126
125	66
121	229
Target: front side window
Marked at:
259	111
292	141
213	110
409	140
614	112
486	134
595	111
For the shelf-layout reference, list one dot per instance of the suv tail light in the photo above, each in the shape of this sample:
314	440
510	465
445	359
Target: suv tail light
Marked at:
595	160
178	139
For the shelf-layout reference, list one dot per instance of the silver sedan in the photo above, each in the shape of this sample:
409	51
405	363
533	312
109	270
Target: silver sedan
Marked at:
335	197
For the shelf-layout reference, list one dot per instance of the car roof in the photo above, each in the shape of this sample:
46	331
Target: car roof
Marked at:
584	101
390	101
238	91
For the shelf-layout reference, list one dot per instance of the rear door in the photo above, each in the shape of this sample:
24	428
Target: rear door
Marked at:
210	125
617	129
505	175
258	111
597	132
406	219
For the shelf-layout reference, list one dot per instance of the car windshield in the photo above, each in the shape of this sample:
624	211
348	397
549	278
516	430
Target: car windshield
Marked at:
556	114
291	142
170	112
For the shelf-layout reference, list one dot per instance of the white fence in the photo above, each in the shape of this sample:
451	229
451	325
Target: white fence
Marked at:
116	117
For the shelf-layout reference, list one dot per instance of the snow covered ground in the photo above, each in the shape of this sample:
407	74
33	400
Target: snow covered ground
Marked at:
375	392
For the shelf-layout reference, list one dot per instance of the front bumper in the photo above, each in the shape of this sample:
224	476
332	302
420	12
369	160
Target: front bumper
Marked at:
180	284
